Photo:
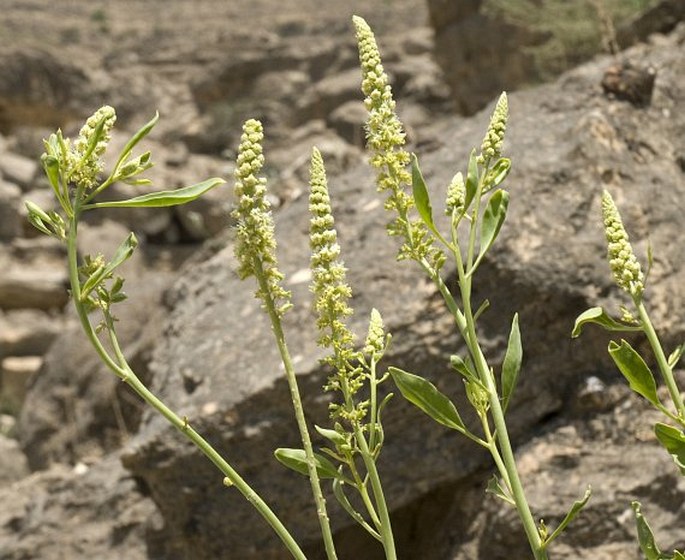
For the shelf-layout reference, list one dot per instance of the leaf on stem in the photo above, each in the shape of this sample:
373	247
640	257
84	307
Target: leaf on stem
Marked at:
137	137
673	440
331	435
570	516
635	370
296	460
124	252
471	180
463	368
675	356
161	199
511	366
598	316
426	396
420	192
498	173
495	488
493	218
644	535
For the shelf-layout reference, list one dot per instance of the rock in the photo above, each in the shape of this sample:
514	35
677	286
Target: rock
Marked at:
10	201
27	332
348	121
38	88
48	515
13	466
661	17
630	83
34	288
15	373
18	169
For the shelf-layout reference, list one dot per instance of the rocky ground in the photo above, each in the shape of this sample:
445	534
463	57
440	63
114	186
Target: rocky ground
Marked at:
86	472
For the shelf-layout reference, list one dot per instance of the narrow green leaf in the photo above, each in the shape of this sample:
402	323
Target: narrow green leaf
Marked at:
644	535
95	138
498	173
511	366
673	440
137	137
471	185
463	368
493	218
421	197
598	316
339	493
495	488
675	356
426	396
571	515
51	168
635	370
331	435
162	198
483	306
296	460
678	555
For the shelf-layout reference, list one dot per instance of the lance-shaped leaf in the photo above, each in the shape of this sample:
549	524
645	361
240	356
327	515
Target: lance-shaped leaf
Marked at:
464	368
495	488
493	218
511	366
635	370
420	192
471	185
331	435
296	459
570	516
675	356
498	173
339	493
644	535
673	440
123	253
137	137
598	316
38	217
426	396
161	199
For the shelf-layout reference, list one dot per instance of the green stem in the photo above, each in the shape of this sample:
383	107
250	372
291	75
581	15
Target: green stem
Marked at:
123	371
385	523
277	327
662	361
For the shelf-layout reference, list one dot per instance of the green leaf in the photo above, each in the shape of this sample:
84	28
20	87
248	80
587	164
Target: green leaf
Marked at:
598	316
296	459
498	173
161	199
635	370
511	366
460	366
38	217
675	356
645	535
471	185
51	168
426	396
137	137
331	435
493	218
571	515
124	251
673	440
483	306
421	197
495	488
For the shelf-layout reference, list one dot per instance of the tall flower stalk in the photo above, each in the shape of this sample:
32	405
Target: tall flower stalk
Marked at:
480	201
255	250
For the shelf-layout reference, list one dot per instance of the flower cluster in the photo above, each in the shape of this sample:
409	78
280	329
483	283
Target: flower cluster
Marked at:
84	159
624	265
456	195
255	246
332	293
385	140
491	147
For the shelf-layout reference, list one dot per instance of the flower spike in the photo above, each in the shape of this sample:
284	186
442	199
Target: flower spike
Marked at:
491	148
255	246
624	265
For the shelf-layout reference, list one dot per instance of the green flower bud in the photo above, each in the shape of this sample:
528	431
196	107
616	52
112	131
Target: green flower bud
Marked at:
85	155
456	195
624	265
491	147
374	345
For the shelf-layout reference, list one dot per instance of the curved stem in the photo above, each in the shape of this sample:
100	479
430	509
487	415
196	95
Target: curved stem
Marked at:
122	369
322	512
